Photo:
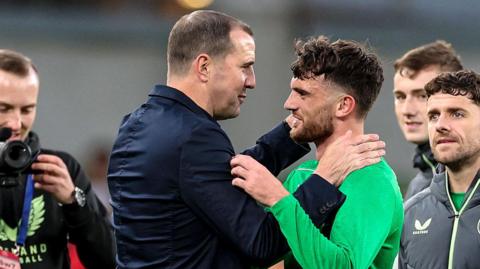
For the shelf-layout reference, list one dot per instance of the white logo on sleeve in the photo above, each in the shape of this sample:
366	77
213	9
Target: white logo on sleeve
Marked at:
478	226
422	228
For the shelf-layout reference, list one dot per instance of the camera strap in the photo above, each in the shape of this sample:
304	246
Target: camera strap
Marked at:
27	203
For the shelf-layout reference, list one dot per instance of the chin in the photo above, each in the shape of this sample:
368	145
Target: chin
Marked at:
414	139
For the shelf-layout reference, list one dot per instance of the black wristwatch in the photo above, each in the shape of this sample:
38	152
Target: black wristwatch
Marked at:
79	197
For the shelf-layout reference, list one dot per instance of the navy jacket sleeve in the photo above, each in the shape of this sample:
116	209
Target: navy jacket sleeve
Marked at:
276	151
205	184
320	200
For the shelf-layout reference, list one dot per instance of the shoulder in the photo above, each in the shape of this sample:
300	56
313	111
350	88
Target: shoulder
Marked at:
300	174
304	169
418	200
377	181
380	173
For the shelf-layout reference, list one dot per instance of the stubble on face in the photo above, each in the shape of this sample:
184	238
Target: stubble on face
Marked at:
455	143
316	127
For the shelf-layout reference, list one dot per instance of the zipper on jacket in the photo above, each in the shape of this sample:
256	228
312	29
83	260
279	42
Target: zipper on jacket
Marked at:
456	219
426	160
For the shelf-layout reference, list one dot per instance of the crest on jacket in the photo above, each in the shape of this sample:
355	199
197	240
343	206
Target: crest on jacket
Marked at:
36	218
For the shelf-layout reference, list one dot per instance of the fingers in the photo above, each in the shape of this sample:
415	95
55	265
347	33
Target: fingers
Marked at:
359	164
360	139
370	146
243	160
239	182
49	169
52	159
239	171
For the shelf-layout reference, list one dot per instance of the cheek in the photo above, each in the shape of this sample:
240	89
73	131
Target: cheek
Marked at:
398	109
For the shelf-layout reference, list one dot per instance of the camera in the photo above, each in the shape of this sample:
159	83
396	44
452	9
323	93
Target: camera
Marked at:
15	157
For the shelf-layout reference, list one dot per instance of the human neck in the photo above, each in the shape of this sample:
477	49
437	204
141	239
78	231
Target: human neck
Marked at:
355	125
194	90
461	178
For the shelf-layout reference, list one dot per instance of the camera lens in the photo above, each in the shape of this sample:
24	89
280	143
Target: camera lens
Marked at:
17	155
14	156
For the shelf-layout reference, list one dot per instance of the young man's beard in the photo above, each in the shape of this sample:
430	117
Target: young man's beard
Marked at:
318	131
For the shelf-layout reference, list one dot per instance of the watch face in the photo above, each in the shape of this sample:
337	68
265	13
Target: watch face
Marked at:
80	197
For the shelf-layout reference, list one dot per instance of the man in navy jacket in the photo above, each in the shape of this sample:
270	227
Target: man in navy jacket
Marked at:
169	174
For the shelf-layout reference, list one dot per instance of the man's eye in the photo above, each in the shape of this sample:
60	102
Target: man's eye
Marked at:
423	97
432	117
458	114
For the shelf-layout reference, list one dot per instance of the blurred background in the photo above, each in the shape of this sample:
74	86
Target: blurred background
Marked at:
98	59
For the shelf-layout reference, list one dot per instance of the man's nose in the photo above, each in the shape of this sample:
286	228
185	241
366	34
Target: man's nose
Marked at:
14	121
410	108
289	103
442	124
250	82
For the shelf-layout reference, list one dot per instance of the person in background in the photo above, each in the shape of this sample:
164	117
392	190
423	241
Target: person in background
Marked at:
442	226
51	203
412	71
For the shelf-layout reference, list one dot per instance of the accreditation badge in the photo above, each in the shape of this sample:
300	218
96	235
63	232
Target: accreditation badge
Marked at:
8	260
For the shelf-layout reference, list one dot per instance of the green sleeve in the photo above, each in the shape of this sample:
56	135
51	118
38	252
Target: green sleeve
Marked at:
361	226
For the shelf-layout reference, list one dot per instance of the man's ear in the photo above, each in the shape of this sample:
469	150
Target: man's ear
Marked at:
202	66
345	106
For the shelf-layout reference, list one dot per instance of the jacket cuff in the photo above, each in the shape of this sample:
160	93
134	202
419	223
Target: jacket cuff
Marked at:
320	199
76	215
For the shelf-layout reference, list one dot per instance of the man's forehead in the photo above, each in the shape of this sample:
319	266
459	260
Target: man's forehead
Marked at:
445	100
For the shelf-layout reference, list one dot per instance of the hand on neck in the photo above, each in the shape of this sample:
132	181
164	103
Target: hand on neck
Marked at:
356	126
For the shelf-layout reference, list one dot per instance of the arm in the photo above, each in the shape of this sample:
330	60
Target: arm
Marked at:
361	225
357	152
88	226
205	185
276	150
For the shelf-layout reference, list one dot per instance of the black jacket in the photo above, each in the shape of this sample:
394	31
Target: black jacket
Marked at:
423	161
52	225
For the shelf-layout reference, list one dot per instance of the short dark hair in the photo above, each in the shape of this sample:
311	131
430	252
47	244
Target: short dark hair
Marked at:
16	63
202	31
439	53
346	63
465	83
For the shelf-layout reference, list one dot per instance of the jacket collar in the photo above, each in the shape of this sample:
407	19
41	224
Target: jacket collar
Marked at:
175	94
419	161
439	190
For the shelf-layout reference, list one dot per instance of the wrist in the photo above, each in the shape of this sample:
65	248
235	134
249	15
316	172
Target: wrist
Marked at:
277	196
326	176
76	198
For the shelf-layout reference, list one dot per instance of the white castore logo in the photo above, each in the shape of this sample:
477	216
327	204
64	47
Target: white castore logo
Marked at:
422	228
478	226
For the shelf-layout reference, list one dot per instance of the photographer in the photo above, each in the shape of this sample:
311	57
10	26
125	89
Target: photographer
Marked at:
50	202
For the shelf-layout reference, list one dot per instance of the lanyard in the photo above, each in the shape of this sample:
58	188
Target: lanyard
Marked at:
27	204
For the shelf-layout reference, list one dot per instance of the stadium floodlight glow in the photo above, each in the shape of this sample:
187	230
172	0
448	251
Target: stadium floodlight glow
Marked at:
194	4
